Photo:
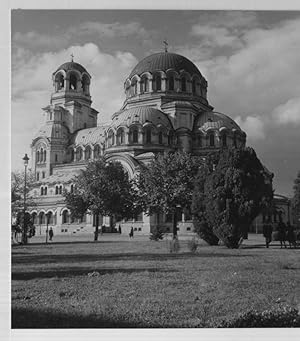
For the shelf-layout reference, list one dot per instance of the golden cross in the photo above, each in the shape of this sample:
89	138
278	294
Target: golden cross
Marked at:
72	56
166	45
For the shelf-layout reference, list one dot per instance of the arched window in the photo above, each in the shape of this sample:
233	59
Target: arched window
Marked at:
65	217
72	188
73	82
183	84
37	156
60	81
85	84
194	87
148	135
42	190
88	153
211	140
42	218
134	135
60	189
42	155
157	83
120	136
224	140
160	137
37	176
171	83
56	157
43	175
111	138
145	84
79	154
96	151
56	189
45	191
134	87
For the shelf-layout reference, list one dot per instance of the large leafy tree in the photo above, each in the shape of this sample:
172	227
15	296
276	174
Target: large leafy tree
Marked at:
296	199
234	193
103	189
167	183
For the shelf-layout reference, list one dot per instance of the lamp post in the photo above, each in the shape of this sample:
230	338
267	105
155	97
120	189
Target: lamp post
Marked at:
24	235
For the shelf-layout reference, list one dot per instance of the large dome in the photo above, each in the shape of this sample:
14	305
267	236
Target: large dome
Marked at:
215	120
68	66
164	61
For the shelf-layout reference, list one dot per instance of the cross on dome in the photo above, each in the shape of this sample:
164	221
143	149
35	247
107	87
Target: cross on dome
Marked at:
166	45
72	56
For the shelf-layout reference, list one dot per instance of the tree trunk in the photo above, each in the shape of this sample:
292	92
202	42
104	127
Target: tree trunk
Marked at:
174	224
96	228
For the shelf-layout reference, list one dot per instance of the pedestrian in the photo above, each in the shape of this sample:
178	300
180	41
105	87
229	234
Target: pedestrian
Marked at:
51	234
120	231
131	233
267	232
290	235
281	233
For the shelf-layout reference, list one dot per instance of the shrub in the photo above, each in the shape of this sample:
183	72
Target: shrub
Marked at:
205	232
230	235
278	317
156	234
192	245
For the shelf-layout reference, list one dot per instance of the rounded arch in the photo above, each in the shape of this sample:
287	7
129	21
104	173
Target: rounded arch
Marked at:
85	83
172	77
79	153
59	80
120	136
97	151
134	134
145	82
128	163
157	80
196	85
88	152
111	138
74	77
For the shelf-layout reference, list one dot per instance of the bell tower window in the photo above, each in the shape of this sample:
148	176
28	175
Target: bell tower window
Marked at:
73	82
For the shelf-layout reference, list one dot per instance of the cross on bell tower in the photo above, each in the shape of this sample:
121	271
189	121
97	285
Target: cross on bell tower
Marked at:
166	45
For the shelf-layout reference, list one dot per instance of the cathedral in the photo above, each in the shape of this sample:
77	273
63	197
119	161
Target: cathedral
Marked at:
165	108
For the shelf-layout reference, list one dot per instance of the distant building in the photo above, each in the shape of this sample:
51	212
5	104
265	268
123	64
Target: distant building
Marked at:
165	108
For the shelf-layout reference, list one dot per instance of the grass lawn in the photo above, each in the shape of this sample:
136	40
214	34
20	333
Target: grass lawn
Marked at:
138	283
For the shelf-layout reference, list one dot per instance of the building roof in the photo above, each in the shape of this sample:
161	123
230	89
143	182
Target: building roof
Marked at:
215	120
89	136
164	61
141	115
71	66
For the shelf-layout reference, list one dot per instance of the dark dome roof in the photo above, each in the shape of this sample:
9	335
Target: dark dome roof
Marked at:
71	66
165	61
215	120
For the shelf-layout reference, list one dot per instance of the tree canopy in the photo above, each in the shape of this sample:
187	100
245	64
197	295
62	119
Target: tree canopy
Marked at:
234	193
103	188
167	183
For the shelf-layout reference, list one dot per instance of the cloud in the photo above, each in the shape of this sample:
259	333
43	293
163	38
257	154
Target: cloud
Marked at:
32	87
288	112
94	31
252	126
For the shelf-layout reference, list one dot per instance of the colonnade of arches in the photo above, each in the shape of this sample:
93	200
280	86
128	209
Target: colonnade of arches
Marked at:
84	153
72	80
41	155
216	138
170	81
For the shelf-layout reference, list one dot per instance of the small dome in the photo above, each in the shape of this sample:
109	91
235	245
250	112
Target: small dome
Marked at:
164	61
141	115
68	66
215	120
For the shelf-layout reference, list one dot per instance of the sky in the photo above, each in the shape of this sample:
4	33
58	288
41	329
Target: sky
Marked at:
249	58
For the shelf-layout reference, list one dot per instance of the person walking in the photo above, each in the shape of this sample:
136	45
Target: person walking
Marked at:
267	232
51	234
290	235
131	233
281	233
120	230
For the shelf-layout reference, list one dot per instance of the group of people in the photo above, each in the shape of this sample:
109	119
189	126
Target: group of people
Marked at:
285	233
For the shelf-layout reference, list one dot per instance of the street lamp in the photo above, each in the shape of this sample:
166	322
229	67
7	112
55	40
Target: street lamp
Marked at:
24	236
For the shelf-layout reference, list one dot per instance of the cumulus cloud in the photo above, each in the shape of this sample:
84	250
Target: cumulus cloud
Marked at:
288	112
32	86
252	126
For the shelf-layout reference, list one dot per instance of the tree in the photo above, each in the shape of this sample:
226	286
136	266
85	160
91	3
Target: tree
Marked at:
103	189
202	225
296	199
234	193
167	183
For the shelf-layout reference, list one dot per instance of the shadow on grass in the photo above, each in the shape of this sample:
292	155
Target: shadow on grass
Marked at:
72	272
79	258
31	318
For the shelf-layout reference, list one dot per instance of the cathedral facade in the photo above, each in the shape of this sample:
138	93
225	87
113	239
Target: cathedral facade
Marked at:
165	108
